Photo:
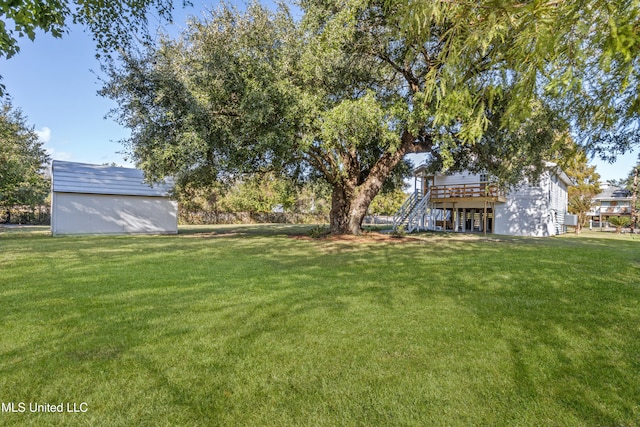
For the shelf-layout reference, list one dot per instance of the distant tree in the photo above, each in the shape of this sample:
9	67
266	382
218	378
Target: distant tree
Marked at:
586	185
22	162
313	197
259	193
627	182
632	183
254	193
387	203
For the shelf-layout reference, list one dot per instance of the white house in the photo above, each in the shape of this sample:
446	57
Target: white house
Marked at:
612	201
468	202
94	199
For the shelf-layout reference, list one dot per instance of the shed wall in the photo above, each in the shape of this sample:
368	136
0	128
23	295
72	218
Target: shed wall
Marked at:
77	213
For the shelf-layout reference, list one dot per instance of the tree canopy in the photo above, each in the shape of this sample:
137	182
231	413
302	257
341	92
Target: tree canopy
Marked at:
355	85
586	186
22	160
583	57
113	24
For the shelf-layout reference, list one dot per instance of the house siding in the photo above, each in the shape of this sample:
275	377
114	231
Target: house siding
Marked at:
532	209
526	211
536	209
457	179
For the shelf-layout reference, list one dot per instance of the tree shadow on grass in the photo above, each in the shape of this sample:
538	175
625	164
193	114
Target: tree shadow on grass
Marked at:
247	330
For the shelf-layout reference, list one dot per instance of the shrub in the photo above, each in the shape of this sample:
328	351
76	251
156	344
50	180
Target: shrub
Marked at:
399	231
619	221
318	231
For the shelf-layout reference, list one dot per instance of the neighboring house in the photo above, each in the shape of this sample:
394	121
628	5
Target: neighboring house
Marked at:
94	199
612	201
468	202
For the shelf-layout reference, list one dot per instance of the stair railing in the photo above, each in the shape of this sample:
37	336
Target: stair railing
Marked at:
416	218
405	210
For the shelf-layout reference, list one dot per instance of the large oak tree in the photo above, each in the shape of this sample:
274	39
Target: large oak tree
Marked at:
351	89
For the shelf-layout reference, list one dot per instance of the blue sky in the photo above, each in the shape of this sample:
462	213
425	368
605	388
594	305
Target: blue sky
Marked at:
55	83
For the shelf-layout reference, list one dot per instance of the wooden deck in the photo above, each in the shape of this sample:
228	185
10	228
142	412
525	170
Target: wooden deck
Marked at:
467	192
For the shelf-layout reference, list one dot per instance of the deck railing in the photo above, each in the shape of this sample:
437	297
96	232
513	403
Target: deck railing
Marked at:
466	190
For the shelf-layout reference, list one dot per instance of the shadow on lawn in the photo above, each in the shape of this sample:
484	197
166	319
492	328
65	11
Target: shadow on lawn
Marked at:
242	230
569	333
231	326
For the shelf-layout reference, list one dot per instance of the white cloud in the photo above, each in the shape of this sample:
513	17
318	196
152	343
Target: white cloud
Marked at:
44	134
59	155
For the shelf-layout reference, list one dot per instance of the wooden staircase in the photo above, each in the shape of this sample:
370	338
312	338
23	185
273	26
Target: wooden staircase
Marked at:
415	213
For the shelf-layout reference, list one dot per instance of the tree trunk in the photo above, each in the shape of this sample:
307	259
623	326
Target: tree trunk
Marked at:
340	209
349	204
634	195
348	210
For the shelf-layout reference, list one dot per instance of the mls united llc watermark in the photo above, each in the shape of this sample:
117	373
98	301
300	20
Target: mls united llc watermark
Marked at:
26	407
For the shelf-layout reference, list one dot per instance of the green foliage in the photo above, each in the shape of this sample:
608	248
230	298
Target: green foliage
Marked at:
583	56
259	193
387	203
114	25
347	91
313	197
27	16
399	231
619	221
632	184
256	194
586	187
318	231
22	160
628	182
212	105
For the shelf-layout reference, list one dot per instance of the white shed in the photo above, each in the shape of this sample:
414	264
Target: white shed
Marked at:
95	199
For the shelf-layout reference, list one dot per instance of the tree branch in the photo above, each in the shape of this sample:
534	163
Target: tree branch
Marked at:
320	160
414	83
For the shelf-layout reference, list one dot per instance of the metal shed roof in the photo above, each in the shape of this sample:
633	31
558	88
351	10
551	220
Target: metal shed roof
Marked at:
71	177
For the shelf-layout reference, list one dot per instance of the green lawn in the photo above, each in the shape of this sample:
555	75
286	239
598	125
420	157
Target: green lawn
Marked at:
246	326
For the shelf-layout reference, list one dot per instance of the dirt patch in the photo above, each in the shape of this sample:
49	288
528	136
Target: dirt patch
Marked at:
363	238
433	237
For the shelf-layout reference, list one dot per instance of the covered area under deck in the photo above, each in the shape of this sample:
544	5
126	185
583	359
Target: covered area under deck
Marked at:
465	207
463	219
474	202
